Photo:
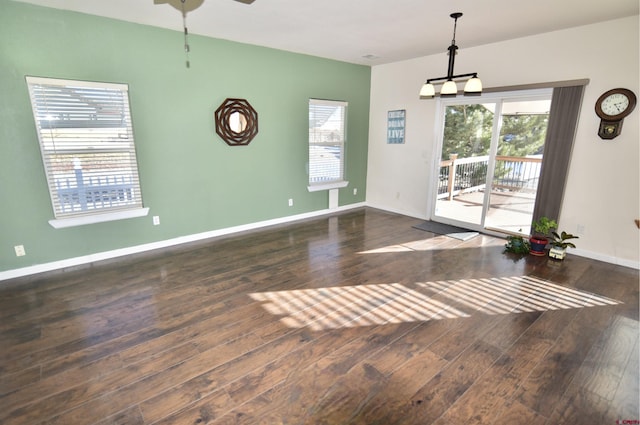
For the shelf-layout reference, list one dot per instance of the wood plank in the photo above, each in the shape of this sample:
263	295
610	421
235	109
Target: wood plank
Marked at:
19	410
435	397
578	407
389	404
187	401
625	401
131	416
484	401
549	380
514	413
10	383
188	391
413	355
607	361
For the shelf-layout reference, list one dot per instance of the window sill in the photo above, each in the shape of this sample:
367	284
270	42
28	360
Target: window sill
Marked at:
98	218
327	186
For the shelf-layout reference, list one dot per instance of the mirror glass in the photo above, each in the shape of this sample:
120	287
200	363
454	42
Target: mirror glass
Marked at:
237	122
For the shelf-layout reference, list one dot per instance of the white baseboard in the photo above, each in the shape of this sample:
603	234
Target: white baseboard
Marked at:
87	259
605	258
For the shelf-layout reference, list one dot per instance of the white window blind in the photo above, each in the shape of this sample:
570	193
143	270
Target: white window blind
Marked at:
87	145
327	134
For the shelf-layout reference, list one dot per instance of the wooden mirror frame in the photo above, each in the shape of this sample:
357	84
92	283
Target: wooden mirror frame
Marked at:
223	122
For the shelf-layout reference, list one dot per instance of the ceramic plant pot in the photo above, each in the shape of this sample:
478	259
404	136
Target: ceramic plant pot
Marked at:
557	252
538	245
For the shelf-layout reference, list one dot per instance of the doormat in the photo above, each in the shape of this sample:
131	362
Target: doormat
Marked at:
447	230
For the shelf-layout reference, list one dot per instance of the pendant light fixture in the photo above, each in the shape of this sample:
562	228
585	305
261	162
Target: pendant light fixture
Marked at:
473	86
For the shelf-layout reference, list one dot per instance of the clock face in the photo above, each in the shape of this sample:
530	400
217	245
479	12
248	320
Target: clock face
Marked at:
615	104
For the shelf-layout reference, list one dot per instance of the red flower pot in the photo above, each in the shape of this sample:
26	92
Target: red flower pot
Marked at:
538	245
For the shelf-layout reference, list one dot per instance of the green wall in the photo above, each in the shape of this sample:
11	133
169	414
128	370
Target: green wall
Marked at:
189	176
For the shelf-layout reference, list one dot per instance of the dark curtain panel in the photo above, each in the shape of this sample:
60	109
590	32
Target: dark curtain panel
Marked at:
563	120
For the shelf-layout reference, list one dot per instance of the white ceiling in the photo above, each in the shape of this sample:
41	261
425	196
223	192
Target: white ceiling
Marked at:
351	30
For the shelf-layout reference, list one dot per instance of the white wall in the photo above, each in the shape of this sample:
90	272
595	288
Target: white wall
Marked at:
603	188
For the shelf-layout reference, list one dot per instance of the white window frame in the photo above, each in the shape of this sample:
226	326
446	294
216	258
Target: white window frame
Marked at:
334	177
88	150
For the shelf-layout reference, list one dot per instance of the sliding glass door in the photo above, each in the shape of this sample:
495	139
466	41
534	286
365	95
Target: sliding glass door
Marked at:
490	160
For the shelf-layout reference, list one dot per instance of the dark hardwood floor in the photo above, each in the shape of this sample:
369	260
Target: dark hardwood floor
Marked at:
356	318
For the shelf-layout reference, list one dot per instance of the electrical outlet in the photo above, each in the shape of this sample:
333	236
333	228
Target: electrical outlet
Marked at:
355	191
156	220
580	229
20	252
290	202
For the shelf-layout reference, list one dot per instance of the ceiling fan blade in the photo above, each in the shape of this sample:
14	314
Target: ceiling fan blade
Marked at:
189	5
245	1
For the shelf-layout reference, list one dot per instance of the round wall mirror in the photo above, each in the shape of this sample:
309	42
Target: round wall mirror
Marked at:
236	122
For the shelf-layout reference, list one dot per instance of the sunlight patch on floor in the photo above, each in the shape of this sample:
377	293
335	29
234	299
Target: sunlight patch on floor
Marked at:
368	305
518	294
431	244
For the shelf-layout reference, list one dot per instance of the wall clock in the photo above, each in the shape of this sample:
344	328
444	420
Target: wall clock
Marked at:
612	107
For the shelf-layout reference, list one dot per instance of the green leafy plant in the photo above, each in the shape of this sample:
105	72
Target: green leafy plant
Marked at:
517	245
560	240
543	226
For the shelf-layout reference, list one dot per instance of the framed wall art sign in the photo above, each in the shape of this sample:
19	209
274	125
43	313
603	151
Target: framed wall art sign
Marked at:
395	126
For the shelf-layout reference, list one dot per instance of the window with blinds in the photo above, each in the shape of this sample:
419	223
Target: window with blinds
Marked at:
87	145
327	133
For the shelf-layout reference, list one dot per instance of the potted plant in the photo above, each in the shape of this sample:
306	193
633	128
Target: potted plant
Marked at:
559	244
542	228
517	245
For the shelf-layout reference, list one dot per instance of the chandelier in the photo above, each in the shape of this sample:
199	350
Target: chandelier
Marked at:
473	86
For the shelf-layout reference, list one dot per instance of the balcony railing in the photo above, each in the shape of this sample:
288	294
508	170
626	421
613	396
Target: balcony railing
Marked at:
470	174
82	193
